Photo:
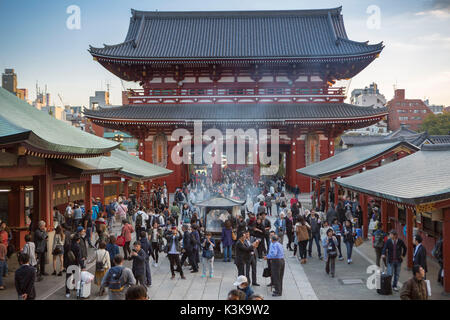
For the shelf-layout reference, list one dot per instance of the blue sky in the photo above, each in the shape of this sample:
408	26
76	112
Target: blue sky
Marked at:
35	41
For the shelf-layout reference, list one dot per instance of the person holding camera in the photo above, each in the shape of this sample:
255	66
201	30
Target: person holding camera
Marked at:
208	255
139	257
173	249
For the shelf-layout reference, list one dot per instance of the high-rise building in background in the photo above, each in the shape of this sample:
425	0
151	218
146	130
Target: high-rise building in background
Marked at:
99	100
370	97
434	108
22	94
9	80
409	113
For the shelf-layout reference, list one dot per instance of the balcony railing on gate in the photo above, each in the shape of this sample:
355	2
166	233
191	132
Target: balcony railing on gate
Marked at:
222	92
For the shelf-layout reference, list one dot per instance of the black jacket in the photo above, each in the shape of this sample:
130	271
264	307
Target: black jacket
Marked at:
40	239
187	241
75	247
420	257
169	239
243	253
138	267
24	279
389	246
146	246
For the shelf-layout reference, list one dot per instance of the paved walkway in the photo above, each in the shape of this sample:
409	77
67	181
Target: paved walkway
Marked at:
301	282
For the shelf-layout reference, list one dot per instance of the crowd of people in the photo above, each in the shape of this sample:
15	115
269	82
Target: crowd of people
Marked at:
177	230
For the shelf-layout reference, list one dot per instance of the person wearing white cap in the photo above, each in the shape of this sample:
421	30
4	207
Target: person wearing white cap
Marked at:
242	285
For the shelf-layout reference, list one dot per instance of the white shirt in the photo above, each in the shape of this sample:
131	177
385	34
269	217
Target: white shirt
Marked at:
144	218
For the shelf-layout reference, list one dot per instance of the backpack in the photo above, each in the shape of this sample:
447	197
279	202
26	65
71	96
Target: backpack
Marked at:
139	220
99	265
116	275
379	240
180	197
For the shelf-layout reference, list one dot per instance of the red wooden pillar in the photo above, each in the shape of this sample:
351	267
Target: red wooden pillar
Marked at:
117	189
102	190
336	195
16	214
327	194
88	195
384	215
45	194
125	188
446	248
36	208
363	203
256	170
317	194
138	192
293	172
409	236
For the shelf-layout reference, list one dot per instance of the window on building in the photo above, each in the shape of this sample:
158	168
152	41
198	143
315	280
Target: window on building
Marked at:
416	111
432	228
403	118
424	111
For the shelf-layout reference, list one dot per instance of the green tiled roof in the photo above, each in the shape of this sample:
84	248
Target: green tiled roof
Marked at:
20	122
351	158
126	164
418	178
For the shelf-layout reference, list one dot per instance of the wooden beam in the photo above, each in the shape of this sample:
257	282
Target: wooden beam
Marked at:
19	172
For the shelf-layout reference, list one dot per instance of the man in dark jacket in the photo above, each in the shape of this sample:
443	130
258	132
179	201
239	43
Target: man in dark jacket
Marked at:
267	225
187	246
243	256
139	256
314	222
24	278
147	247
83	246
396	251
420	254
73	257
196	243
40	239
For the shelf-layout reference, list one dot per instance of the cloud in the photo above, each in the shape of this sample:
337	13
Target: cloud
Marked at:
437	8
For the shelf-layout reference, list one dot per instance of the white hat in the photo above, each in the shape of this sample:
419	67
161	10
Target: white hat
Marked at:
240	280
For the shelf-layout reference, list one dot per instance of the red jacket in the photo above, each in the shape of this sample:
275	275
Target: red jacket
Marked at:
127	230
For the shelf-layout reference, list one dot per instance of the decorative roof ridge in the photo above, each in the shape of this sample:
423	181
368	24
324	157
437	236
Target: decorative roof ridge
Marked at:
436	147
385	141
363	43
239	13
93	49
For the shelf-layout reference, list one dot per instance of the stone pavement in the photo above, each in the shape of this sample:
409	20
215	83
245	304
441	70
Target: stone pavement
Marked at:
301	282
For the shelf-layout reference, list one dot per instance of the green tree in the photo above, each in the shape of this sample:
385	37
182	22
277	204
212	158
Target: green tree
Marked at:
437	124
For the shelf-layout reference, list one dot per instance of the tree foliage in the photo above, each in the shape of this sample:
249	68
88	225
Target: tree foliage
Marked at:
437	124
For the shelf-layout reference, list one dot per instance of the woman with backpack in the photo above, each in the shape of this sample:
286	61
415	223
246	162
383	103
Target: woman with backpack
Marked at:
186	214
331	247
208	255
302	229
156	238
378	239
337	233
58	250
349	239
102	263
127	230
